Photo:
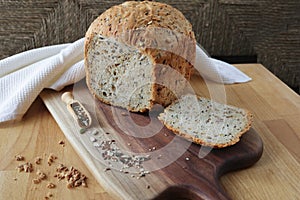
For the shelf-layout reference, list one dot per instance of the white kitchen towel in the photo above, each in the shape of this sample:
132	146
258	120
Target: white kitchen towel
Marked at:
23	76
217	70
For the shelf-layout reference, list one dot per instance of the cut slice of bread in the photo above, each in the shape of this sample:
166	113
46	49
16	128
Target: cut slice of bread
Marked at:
206	122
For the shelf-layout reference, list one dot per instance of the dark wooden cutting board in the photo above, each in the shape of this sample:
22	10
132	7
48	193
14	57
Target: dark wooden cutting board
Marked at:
177	168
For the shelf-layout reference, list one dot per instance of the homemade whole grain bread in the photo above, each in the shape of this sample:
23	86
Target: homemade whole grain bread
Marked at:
138	54
206	122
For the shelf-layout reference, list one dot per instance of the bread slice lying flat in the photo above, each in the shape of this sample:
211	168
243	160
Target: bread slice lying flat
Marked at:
206	122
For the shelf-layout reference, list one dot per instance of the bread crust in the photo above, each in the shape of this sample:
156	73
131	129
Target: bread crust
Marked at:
132	15
157	30
120	20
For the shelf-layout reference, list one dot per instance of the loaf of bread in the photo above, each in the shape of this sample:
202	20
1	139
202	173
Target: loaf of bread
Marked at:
138	54
206	122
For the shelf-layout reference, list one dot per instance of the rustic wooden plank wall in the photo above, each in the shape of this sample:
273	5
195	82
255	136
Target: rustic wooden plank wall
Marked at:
266	31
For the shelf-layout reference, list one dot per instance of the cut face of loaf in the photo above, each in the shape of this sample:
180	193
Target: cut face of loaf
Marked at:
119	74
206	122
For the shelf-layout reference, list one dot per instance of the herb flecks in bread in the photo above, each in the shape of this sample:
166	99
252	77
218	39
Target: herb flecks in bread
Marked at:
121	79
206	122
127	51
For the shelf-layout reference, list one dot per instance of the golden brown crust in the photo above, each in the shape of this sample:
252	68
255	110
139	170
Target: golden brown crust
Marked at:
132	15
119	20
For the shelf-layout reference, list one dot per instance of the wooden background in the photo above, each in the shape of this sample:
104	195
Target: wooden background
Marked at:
237	31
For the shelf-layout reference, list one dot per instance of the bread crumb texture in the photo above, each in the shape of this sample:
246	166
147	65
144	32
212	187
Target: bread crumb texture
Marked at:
206	122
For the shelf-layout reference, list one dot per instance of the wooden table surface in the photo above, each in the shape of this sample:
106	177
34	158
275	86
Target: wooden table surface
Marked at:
276	175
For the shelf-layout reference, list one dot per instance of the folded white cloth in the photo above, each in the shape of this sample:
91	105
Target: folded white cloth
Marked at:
23	76
217	70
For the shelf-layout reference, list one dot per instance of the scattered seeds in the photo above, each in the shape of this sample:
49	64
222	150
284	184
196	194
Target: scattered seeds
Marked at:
51	159
36	181
51	185
82	131
106	169
61	142
26	167
19	158
73	176
38	160
41	175
49	195
92	139
124	114
95	132
96	144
